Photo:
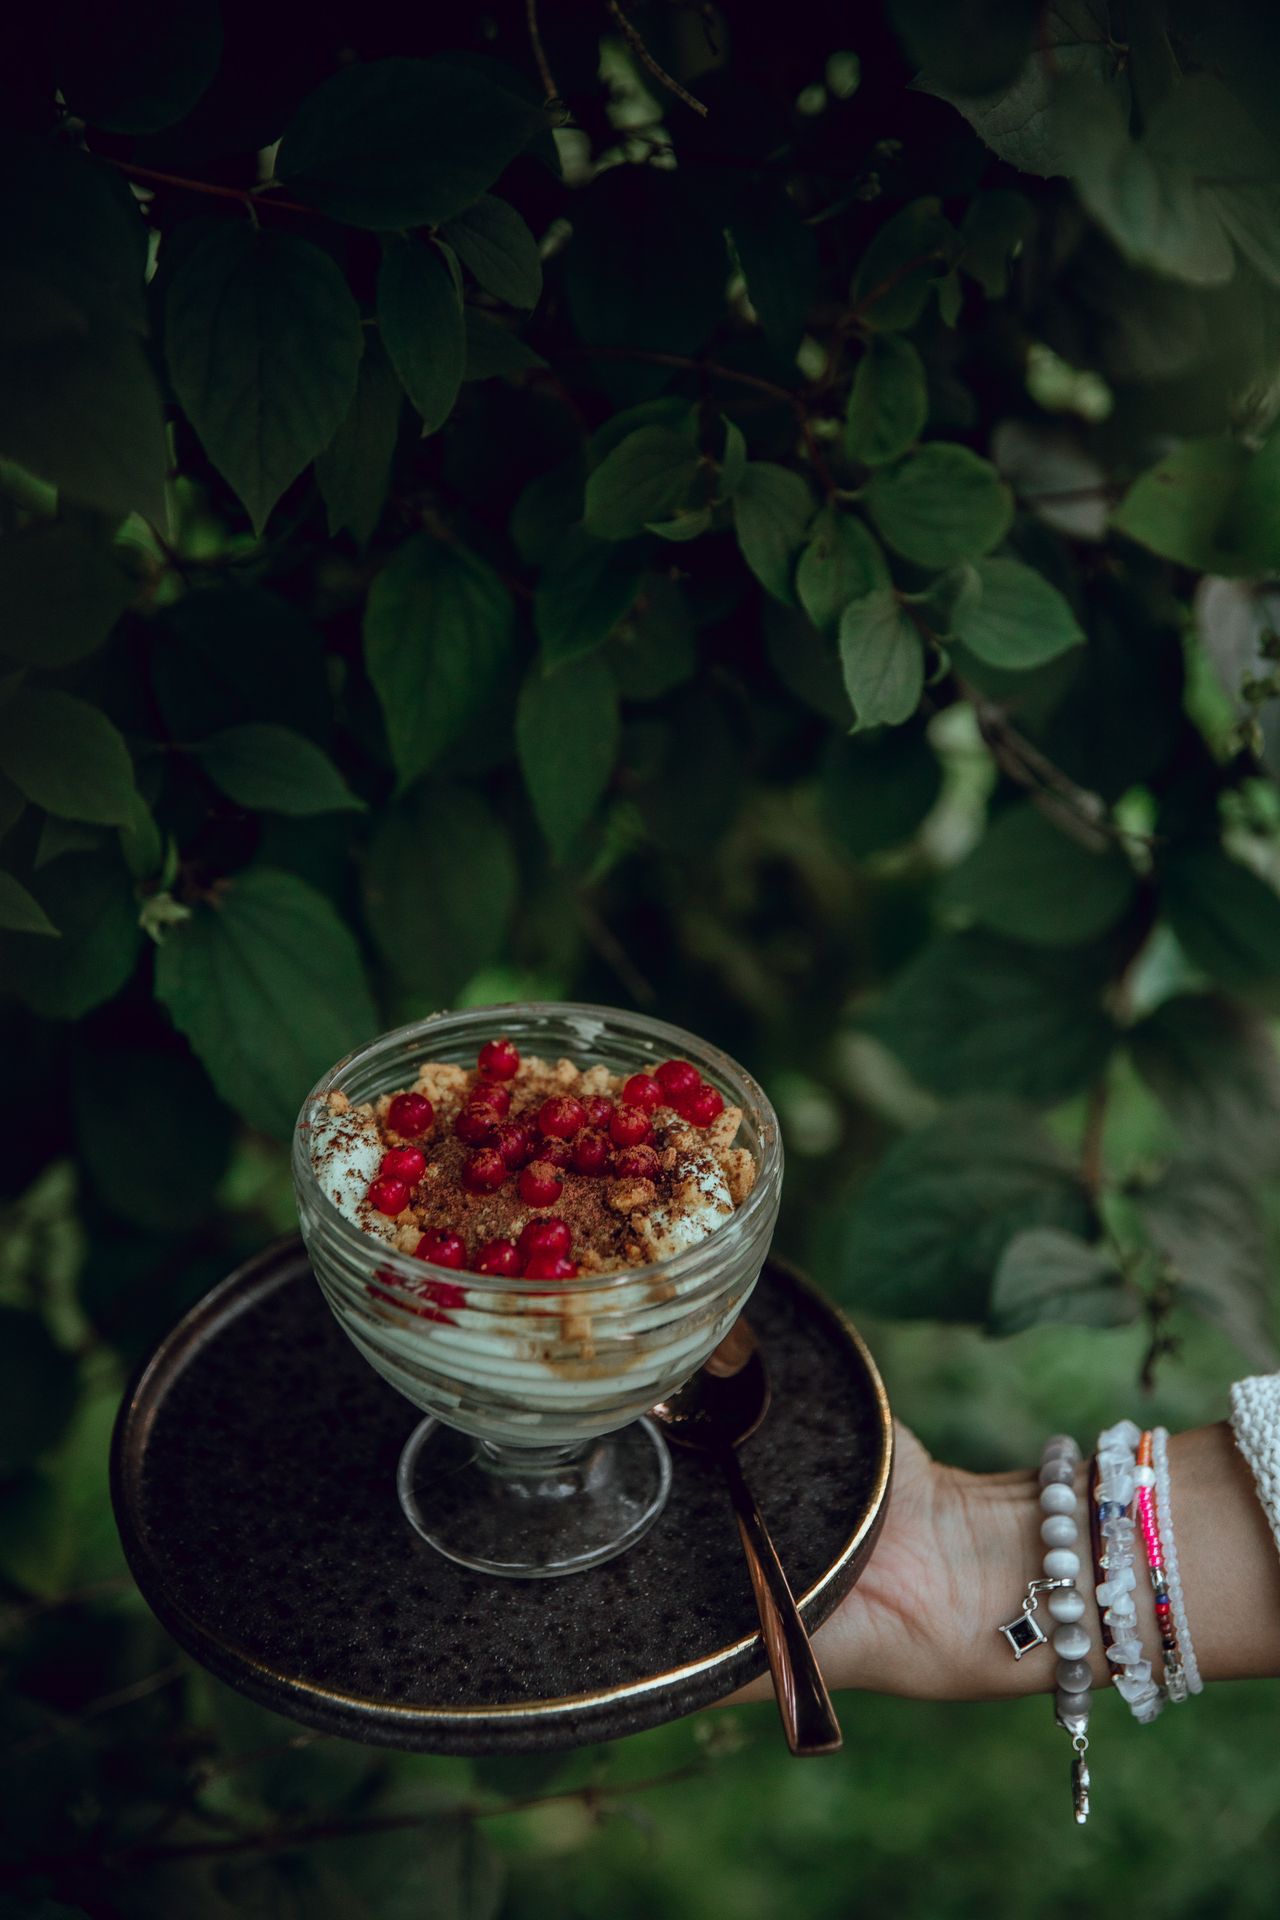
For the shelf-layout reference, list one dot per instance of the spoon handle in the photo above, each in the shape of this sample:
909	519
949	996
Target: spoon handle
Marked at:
808	1717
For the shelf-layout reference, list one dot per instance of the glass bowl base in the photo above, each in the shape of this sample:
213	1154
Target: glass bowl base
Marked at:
533	1513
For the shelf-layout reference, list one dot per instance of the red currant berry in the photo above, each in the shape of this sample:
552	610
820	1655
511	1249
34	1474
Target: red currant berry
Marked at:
490	1093
642	1090
411	1114
703	1106
629	1126
497	1256
485	1171
389	1195
599	1110
477	1125
404	1163
499	1059
540	1184
550	1266
516	1143
677	1077
562	1117
558	1152
437	1296
544	1236
638	1162
590	1151
441	1249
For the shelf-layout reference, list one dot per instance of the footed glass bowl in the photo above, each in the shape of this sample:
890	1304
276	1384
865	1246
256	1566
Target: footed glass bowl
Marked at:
535	1458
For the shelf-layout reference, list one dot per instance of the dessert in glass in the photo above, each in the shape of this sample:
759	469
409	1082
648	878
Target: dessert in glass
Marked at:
536	1222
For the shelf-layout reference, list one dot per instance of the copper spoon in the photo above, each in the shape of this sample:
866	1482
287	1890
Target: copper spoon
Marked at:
714	1413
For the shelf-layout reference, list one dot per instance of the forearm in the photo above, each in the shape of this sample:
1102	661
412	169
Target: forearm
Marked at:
957	1552
1228	1560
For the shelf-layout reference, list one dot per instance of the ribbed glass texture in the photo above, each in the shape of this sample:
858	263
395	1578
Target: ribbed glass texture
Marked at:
516	1365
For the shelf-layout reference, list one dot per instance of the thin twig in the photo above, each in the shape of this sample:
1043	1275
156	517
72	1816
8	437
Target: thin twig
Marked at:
273	1839
648	62
251	198
615	955
545	74
1095	1121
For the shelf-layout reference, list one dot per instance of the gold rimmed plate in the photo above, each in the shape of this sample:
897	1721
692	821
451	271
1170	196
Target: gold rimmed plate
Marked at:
253	1477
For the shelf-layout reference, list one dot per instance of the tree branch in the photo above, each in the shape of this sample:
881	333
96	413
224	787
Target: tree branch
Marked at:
251	198
648	62
545	74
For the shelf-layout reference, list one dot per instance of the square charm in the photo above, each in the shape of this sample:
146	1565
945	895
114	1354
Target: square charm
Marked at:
1024	1633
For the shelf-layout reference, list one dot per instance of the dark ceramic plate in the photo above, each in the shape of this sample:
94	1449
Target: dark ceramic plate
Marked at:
253	1477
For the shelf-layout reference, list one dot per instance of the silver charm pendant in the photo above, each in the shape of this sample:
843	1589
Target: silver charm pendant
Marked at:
1080	1780
1025	1632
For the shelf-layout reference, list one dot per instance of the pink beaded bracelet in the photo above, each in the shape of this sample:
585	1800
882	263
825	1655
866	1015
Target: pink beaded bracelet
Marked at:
1148	1518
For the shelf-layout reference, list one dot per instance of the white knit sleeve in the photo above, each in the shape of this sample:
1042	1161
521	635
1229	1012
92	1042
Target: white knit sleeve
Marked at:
1255	1421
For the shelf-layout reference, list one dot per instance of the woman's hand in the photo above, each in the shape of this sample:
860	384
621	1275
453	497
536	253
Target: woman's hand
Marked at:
951	1563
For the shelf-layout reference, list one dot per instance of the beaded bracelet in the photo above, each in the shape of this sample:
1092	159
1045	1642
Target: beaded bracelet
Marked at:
1113	1485
1175	1684
1164	1515
1071	1639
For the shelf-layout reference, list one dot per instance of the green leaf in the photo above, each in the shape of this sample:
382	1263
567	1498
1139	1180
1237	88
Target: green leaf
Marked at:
494	351
876	789
399	143
772	508
438	639
779	259
806	663
59	837
910	252
498	250
79	406
1212	1063
567	742
1027	879
62	587
977	48
38	1390
972	1013
20	911
1050	1278
271	769
432	920
1187	508
584	590
354	471
644	478
547	509
137	66
1073	41
66	756
267	984
1208	1224
733	461
90	900
889	403
263	341
689	523
75	224
883	660
928	1228
1227	920
1015	619
654	647
995	225
155	1172
842	562
140	842
940	505
420	314
225	655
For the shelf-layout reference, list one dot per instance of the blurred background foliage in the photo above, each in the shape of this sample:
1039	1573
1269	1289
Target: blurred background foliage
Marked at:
769	516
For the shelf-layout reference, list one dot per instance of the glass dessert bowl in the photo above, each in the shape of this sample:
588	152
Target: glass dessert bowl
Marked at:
620	1224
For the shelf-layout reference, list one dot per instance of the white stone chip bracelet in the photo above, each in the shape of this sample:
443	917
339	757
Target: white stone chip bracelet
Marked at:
1115	1485
1059	1530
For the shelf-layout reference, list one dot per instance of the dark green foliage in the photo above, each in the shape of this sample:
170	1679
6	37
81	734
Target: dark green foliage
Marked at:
752	569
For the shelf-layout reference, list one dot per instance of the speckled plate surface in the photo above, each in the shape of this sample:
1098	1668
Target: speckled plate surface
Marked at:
253	1477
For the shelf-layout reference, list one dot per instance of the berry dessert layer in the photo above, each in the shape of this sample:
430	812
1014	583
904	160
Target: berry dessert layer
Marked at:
536	1168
